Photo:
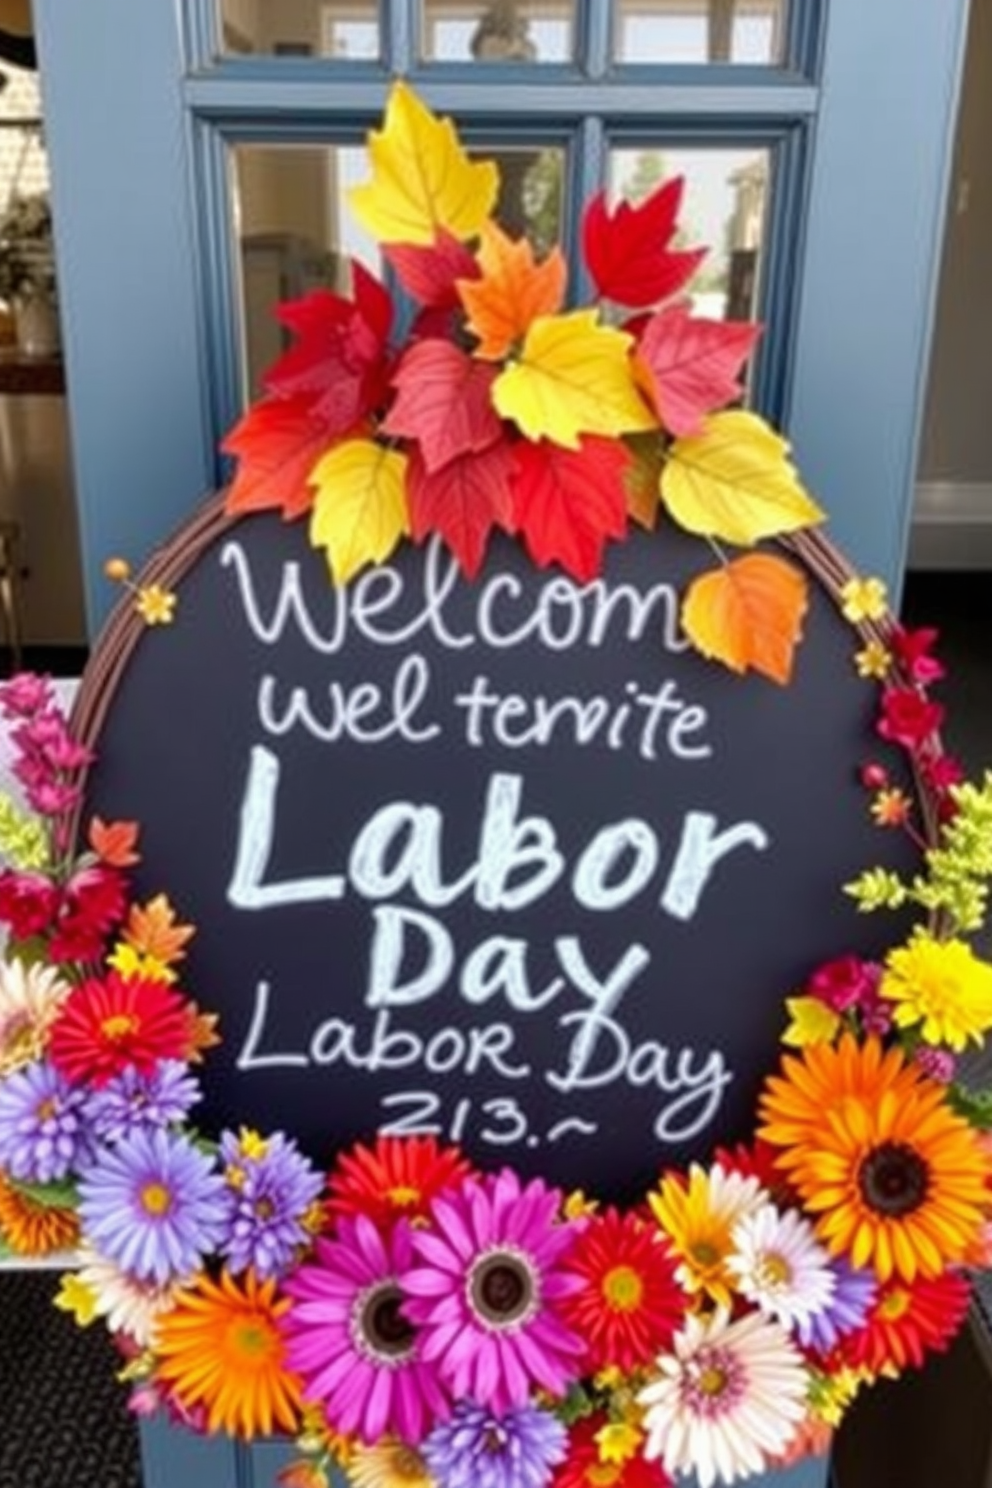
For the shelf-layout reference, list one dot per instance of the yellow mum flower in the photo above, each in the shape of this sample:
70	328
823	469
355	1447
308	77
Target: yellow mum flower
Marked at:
941	986
863	599
698	1218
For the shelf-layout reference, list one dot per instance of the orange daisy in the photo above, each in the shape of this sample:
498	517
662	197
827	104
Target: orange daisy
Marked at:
894	1179
31	1228
220	1349
399	1175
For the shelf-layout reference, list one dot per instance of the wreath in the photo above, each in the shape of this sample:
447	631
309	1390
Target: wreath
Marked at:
411	1318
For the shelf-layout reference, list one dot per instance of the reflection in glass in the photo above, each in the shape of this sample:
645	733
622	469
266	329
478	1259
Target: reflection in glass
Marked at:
500	31
700	31
347	29
724	209
531	194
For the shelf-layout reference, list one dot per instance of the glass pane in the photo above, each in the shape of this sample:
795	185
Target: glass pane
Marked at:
301	28
502	31
723	209
700	31
531	194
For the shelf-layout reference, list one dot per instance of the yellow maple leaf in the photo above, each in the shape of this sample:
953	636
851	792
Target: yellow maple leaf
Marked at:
735	481
573	377
360	510
812	1022
748	613
512	291
422	179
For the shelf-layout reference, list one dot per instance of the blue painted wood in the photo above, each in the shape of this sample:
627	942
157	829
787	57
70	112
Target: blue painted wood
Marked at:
868	277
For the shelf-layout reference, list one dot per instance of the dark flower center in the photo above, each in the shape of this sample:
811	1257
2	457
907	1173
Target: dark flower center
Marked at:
502	1288
383	1330
893	1179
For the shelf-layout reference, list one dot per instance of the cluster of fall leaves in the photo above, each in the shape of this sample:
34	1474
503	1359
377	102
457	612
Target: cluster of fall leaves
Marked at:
504	411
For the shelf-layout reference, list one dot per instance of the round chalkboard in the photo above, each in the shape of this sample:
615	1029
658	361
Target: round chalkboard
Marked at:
502	860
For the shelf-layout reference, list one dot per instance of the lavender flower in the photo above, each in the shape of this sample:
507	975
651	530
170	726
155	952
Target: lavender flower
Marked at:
478	1449
133	1101
270	1187
153	1204
43	1133
853	1295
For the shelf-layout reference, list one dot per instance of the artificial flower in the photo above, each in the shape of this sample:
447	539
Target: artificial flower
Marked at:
873	660
863	599
894	1179
128	962
891	808
389	1464
908	1320
220	1349
618	1440
853	1293
936	1064
134	1100
778	1265
25	694
77	1298
908	718
349	1338
153	1204
155	605
479	1448
728	1397
584	1466
630	1303
109	1024
845	983
43	1135
810	1022
92	903
31	1226
487	1287
913	650
395	1176
30	998
131	1307
698	1214
940	988
270	1188
28	902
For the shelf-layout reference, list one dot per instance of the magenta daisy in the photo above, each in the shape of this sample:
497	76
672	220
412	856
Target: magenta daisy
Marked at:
487	1289
348	1339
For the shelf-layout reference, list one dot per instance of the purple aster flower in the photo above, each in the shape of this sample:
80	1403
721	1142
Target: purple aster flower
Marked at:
479	1449
853	1295
133	1101
43	1133
153	1204
270	1186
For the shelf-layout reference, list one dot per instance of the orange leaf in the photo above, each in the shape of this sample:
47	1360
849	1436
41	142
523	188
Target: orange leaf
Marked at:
114	842
512	292
748	613
152	930
642	479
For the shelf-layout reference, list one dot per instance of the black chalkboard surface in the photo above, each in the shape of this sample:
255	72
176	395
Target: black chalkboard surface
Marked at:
501	860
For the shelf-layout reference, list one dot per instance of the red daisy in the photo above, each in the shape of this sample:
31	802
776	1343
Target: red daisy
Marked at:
94	900
630	1304
399	1175
756	1159
107	1026
907	1321
582	1467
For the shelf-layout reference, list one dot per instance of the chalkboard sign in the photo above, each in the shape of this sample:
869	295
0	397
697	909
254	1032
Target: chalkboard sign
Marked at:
503	860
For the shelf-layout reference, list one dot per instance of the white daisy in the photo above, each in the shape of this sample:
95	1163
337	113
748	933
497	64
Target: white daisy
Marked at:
30	998
779	1265
727	1398
129	1306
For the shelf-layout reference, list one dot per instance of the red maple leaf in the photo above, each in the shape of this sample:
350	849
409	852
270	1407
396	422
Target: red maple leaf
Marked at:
340	359
627	250
277	444
567	503
463	502
443	402
689	366
429	274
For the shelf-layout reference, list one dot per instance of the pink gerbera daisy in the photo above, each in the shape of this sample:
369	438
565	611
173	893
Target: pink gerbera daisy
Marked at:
487	1289
350	1342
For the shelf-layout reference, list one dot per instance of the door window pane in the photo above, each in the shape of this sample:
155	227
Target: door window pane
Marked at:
723	209
348	29
699	31
501	31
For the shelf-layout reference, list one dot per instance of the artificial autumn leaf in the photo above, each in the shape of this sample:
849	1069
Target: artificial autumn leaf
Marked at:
512	291
201	1032
115	842
444	402
277	444
429	274
627	250
568	503
811	1022
642	478
422	179
689	366
573	377
735	481
359	512
153	930
748	613
340	359
463	502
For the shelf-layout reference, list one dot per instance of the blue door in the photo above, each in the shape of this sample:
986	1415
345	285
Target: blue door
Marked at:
200	151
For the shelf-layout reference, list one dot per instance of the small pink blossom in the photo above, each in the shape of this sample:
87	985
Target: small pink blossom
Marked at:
938	1064
908	718
24	695
844	983
913	650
